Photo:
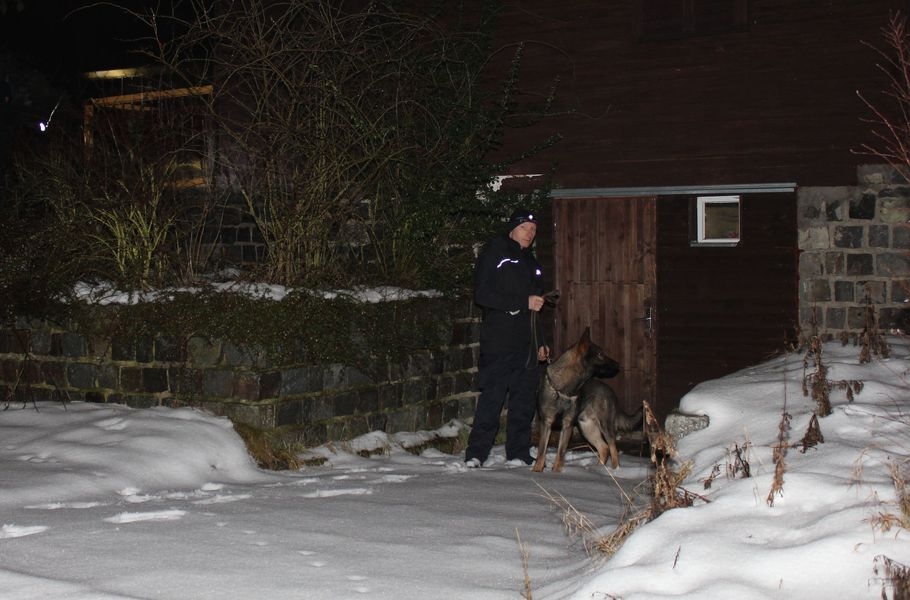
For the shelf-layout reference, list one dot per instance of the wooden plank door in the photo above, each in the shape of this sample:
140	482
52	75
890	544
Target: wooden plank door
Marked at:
605	270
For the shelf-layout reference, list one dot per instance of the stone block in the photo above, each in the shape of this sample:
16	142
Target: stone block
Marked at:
203	352
145	350
14	341
54	373
109	376
188	381
336	376
269	385
892	264
237	356
843	291
848	236
72	345
894	210
810	265
863	208
289	412
40	341
300	380
874	174
246	387
167	350
415	391
131	379
900	290
154	379
123	348
218	383
378	422
814	238
860	264
817	290
317	408
871	292
835	263
678	425
835	318
445	385
141	401
878	236
390	395
857	317
402	420
79	375
420	364
894	318
901	237
822	203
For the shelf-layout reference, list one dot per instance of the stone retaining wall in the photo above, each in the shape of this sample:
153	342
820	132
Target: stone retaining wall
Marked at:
312	404
855	253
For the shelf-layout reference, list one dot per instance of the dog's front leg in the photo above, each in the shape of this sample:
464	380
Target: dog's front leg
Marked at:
546	425
564	436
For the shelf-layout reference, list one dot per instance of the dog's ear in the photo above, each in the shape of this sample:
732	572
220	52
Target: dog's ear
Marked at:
584	342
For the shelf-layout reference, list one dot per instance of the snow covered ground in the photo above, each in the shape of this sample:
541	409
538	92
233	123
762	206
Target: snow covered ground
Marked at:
103	502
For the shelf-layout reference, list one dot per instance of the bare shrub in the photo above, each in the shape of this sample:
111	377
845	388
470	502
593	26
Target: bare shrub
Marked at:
894	575
813	435
779	453
817	384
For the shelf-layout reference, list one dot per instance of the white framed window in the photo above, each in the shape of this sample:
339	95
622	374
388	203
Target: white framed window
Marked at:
717	221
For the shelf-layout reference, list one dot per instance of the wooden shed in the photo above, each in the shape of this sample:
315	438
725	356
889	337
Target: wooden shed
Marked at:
687	128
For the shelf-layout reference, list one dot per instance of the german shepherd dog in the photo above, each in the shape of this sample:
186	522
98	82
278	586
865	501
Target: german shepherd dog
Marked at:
567	389
599	418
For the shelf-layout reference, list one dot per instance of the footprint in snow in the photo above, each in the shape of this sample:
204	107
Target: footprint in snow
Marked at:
223	498
341	492
112	424
158	515
360	589
14	531
59	505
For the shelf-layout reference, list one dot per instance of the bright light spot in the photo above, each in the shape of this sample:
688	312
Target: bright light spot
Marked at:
42	126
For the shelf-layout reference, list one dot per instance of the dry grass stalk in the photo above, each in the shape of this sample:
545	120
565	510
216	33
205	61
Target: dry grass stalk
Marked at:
267	453
737	464
885	521
818	385
666	483
894	575
667	493
709	480
780	453
871	341
576	523
813	435
525	557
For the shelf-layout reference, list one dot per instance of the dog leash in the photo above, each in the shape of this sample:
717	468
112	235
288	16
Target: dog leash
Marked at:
550	299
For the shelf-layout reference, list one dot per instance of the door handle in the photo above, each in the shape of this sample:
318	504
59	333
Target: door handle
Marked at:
648	321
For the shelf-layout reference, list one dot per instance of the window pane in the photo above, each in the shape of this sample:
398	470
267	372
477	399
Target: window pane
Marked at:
721	220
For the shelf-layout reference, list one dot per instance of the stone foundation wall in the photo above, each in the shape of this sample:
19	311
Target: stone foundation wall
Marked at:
855	253
312	404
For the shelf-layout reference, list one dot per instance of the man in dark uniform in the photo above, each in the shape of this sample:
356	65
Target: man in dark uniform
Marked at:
508	286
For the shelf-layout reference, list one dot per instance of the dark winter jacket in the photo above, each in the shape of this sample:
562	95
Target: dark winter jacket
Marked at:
504	277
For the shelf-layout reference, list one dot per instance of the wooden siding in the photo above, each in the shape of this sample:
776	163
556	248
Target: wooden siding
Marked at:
723	309
776	102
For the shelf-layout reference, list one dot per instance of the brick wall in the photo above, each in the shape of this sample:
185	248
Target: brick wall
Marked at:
855	252
312	404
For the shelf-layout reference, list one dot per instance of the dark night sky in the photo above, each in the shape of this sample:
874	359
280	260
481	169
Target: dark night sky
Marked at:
63	37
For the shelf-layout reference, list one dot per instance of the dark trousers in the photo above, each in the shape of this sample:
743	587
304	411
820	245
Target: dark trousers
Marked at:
502	376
